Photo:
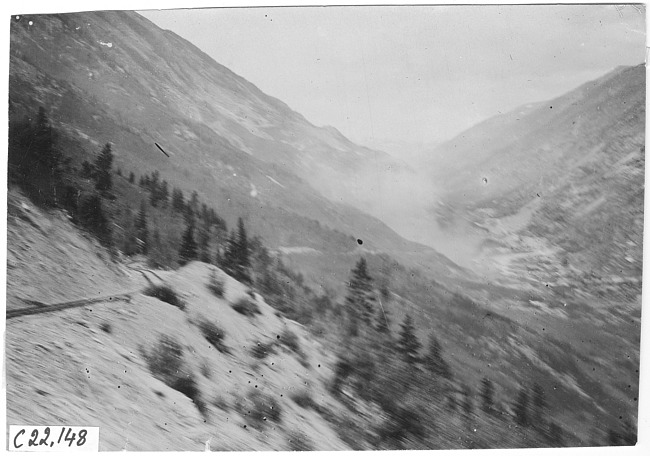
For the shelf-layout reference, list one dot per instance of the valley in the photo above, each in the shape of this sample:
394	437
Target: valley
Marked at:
314	294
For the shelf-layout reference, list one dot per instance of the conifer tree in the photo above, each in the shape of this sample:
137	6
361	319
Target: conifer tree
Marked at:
539	404
237	256
154	181
360	300
408	343
131	177
129	238
468	402
193	203
521	408
487	395
163	195
141	229
91	215
178	200
187	251
156	257
188	214
383	322
35	159
229	255
103	168
204	244
243	250
434	360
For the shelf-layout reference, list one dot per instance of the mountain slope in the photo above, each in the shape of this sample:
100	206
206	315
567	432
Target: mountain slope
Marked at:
567	173
115	77
525	152
122	58
91	365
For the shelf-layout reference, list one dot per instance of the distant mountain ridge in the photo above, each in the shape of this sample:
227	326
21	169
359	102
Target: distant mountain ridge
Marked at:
568	173
533	146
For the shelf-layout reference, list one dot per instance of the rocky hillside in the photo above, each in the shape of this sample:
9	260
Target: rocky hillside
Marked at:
107	364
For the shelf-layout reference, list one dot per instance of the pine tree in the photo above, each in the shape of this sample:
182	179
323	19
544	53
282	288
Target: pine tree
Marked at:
555	435
487	395
154	182
103	168
383	322
187	251
360	300
204	245
158	254
521	408
194	202
131	177
35	159
468	402
178	200
237	257
408	343
539	404
163	195
91	215
243	252
129	243
188	214
87	170
434	360
142	232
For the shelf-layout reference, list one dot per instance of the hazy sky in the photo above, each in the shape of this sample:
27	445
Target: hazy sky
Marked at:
413	73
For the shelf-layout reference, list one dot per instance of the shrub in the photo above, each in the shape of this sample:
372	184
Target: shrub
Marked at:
303	399
216	284
166	364
165	294
166	358
290	340
262	407
261	351
246	306
213	334
220	403
298	441
401	424
205	370
106	327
